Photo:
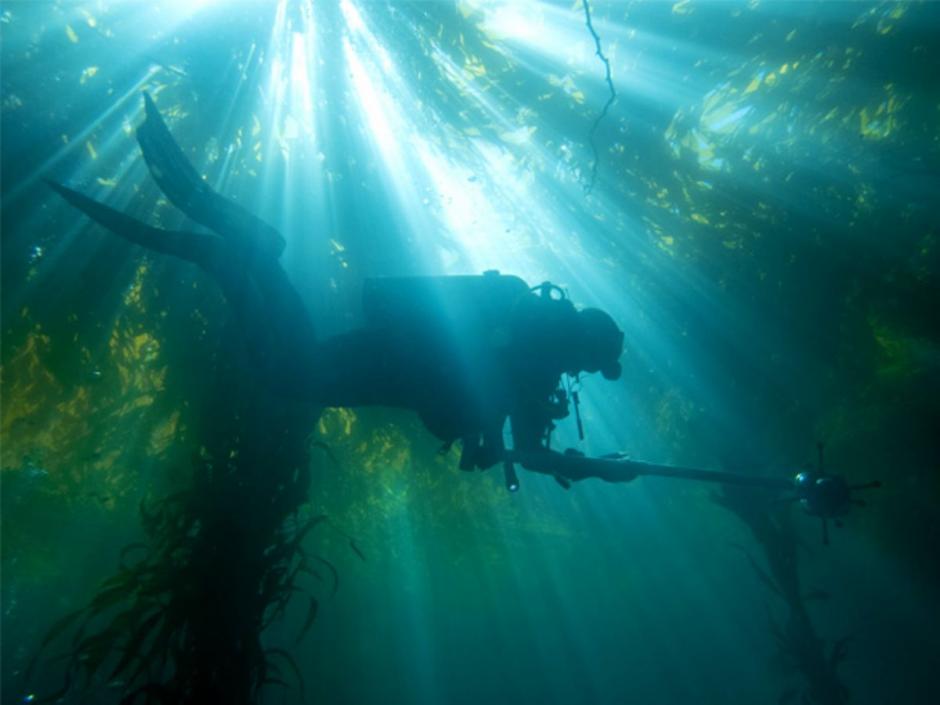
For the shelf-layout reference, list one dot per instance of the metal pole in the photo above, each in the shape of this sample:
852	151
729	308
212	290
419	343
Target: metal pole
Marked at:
577	467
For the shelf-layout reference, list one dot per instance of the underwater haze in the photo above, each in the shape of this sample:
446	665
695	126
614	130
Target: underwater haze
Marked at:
749	189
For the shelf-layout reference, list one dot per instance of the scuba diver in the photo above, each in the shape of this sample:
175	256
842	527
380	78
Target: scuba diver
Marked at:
467	353
464	352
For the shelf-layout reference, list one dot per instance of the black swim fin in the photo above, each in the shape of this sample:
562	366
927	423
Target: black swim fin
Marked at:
176	177
201	248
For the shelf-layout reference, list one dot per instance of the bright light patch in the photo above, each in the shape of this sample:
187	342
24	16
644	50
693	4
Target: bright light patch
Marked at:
515	21
291	82
382	102
465	209
377	105
352	16
725	119
187	8
300	80
363	38
548	32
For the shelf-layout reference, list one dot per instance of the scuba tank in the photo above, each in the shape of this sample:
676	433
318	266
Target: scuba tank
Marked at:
477	302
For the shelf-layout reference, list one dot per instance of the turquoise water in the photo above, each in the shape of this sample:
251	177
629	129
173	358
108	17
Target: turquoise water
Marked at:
754	208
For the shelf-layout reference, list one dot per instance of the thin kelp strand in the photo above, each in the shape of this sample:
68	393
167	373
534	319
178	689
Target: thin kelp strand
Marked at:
334	574
608	78
312	610
289	660
135	643
761	573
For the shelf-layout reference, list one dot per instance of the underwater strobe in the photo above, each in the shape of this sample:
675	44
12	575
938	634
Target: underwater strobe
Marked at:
826	496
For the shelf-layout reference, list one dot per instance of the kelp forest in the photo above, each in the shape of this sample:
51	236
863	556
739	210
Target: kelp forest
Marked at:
748	189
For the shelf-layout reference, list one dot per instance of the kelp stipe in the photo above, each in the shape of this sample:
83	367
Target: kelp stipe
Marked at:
181	620
800	648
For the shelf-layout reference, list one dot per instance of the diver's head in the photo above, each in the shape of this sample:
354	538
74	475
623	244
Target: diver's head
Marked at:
600	343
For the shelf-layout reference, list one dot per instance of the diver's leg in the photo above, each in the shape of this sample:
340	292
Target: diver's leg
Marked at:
252	247
249	235
207	251
292	349
276	327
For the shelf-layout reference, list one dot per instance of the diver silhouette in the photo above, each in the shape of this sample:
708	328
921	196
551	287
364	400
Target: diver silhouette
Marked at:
464	352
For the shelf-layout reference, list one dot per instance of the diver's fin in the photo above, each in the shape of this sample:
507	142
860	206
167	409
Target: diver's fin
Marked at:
177	178
201	248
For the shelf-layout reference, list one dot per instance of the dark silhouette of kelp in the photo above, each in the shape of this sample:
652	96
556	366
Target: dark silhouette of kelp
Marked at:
181	620
599	53
800	648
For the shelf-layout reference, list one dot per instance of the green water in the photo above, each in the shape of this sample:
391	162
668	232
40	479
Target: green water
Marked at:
756	209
